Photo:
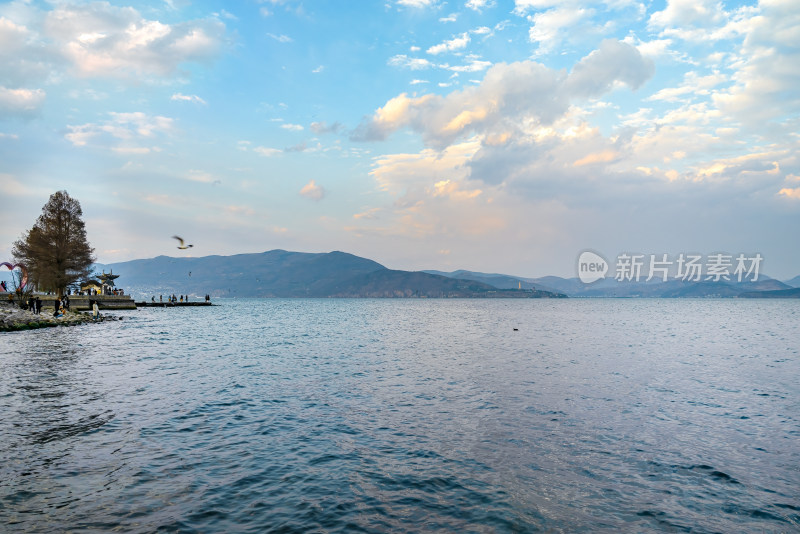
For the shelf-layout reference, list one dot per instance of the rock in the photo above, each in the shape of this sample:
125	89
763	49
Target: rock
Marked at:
13	319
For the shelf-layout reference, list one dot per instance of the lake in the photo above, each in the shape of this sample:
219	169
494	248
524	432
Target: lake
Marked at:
458	415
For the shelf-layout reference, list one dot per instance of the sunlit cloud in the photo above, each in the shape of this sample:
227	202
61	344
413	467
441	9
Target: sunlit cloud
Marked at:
103	40
509	92
20	102
313	191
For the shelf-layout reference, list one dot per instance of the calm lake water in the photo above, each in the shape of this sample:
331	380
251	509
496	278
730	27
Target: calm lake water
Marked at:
407	416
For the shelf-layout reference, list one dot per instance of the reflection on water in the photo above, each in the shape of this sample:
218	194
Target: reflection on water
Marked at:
410	415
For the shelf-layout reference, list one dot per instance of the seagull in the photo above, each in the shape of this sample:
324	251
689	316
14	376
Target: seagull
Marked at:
180	239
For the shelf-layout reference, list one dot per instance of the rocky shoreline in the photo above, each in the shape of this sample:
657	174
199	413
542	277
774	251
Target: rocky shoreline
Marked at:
14	319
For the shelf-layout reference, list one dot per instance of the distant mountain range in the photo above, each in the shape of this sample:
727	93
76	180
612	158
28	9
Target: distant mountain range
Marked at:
610	287
280	273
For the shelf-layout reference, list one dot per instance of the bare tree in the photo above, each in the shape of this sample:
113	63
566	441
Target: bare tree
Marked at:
56	251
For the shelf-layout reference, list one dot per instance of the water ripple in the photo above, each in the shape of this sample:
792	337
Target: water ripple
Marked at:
409	416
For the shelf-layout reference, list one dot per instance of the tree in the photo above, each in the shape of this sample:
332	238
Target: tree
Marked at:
55	250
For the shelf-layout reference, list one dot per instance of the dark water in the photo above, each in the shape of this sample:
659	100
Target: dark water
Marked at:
407	415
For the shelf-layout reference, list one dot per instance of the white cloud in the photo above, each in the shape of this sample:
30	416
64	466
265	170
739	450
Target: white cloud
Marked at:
682	13
457	43
266	151
764	94
281	38
324	128
126	127
704	20
521	7
370	214
404	61
416	3
187	98
313	191
509	93
25	59
655	48
477	5
693	85
103	40
292	127
20	102
201	176
475	65
549	26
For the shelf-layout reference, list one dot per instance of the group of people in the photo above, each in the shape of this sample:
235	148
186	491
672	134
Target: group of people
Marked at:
35	305
107	291
173	299
170	298
60	306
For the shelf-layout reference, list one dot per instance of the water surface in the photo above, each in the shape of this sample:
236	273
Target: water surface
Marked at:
407	415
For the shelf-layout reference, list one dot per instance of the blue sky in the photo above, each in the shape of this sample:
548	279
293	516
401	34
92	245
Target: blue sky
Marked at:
487	135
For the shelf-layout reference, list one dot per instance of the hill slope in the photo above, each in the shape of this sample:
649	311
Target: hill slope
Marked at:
279	273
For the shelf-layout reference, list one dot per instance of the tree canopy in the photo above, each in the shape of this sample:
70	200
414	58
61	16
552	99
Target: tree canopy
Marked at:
56	251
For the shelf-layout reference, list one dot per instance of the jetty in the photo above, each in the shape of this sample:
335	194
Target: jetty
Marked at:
151	304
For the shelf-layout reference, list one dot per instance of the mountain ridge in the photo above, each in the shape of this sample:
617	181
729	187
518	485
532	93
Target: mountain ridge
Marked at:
281	273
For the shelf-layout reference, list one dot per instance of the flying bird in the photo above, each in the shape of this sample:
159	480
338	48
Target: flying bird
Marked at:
180	240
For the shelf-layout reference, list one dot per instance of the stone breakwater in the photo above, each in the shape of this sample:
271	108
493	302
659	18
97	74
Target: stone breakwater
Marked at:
13	319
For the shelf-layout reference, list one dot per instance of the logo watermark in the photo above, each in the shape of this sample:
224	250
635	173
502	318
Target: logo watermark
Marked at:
685	267
591	267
